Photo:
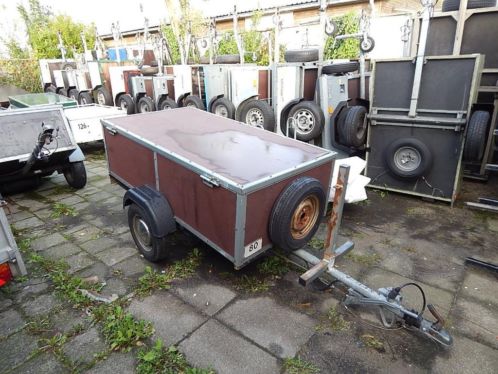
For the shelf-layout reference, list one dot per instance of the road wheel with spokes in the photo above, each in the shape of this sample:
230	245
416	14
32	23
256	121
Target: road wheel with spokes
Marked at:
308	119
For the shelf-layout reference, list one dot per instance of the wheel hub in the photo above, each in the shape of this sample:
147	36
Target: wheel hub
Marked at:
221	110
100	98
304	217
407	158
305	121
254	117
142	232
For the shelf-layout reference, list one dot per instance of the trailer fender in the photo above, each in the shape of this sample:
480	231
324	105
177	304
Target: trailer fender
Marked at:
210	105
156	207
180	99
285	111
240	108
77	155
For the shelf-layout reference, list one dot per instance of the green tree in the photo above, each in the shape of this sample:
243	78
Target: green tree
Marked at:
346	48
172	42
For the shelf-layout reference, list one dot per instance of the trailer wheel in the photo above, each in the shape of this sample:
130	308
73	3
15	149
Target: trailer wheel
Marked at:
104	96
194	102
258	113
352	126
301	55
145	104
367	45
340	68
75	174
223	108
451	5
309	121
408	158
63	92
475	141
125	102
297	213
167	103
152	248
330	27
227	59
85	98
73	94
51	89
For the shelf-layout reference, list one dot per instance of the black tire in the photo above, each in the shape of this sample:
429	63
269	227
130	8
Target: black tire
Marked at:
341	68
167	103
475	141
145	104
104	96
409	151
63	92
75	174
367	45
352	126
227	59
452	5
51	89
309	121
68	66
74	94
126	103
331	28
223	107
297	213
194	101
152	248
258	113
149	70
85	98
301	55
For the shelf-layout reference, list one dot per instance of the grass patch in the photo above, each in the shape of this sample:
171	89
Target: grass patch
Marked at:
372	342
159	359
336	321
61	209
39	325
121	330
61	189
316	243
369	260
248	283
274	266
95	155
297	366
153	280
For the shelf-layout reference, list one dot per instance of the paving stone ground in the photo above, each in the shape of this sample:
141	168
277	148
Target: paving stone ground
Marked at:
218	325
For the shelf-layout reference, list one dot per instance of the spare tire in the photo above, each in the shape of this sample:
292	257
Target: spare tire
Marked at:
258	113
301	55
149	70
297	213
352	126
227	59
451	5
341	68
475	141
408	158
309	120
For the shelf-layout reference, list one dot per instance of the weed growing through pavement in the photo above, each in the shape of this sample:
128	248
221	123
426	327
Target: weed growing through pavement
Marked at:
372	342
39	325
295	365
273	265
316	243
335	321
61	209
160	359
369	260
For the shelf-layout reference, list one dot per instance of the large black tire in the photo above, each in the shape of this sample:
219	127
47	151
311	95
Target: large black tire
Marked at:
340	68
149	70
145	104
194	101
73	94
167	103
309	121
62	92
258	113
452	5
408	158
126	103
152	248
51	89
367	45
223	107
301	55
75	174
475	141
352	126
104	96
297	213
85	98
227	59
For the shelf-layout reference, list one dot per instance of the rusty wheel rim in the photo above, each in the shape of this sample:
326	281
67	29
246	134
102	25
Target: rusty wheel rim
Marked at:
305	217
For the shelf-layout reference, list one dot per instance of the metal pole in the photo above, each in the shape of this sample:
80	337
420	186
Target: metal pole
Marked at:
236	35
61	45
462	16
323	16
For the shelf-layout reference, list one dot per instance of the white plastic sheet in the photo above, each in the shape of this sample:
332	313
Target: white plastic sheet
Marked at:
355	190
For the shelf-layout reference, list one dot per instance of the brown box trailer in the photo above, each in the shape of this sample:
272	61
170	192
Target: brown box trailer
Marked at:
238	188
